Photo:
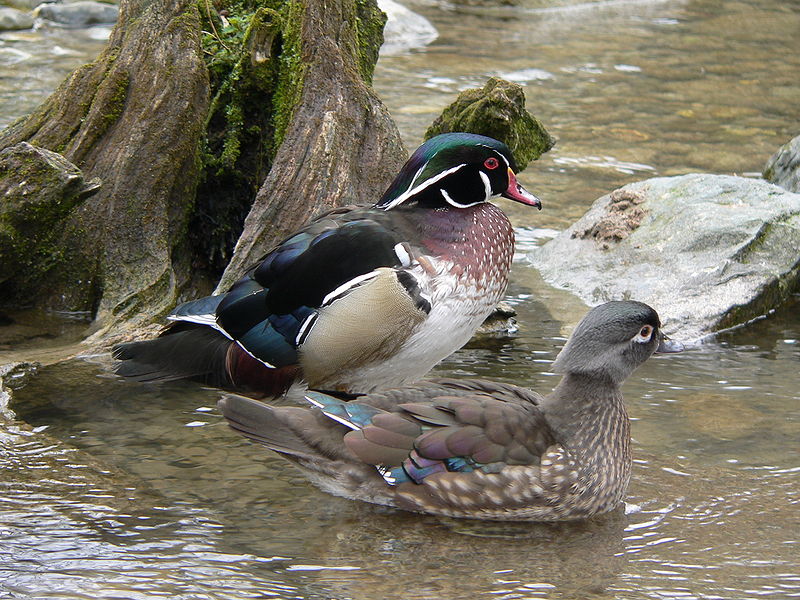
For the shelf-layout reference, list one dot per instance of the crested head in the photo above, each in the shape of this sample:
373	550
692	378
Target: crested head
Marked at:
458	170
611	341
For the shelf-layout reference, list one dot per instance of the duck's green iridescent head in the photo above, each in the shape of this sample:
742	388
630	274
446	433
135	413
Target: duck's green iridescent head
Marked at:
459	170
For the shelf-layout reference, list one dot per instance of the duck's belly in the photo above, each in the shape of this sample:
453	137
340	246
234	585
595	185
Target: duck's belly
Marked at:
459	305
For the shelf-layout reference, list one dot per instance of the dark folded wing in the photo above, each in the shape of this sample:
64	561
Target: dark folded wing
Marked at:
267	310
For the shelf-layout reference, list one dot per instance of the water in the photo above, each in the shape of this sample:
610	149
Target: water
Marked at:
33	63
112	489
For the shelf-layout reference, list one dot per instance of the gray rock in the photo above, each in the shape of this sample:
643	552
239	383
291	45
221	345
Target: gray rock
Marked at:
79	13
37	190
783	167
23	4
13	19
404	30
709	252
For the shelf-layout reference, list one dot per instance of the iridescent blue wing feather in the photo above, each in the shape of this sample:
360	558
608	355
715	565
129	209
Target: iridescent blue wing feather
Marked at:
352	414
265	310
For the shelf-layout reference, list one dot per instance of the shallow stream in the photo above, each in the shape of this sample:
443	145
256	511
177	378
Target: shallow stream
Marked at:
111	489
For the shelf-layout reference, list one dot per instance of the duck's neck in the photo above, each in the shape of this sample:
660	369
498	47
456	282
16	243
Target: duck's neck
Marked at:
589	417
479	237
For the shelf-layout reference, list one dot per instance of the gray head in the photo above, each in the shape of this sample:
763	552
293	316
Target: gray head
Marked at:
612	340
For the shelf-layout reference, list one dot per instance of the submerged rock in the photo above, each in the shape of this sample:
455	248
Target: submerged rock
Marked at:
15	375
79	13
500	322
783	167
12	19
497	110
709	252
405	29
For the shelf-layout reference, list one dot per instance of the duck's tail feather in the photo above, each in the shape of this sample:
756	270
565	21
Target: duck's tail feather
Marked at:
184	351
188	350
274	427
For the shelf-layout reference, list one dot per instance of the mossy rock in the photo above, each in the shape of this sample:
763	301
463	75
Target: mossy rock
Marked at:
497	110
38	188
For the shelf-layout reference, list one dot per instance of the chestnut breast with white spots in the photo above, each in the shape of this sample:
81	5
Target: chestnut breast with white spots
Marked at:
476	243
462	259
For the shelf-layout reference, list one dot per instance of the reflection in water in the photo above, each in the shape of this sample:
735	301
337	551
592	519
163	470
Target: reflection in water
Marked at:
705	506
126	490
72	529
194	507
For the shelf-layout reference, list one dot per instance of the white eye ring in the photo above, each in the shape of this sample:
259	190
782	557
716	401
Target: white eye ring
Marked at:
644	335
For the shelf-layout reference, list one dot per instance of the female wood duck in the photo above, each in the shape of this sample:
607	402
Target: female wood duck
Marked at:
479	449
361	298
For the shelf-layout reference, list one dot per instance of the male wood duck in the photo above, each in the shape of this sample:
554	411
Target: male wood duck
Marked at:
361	298
473	448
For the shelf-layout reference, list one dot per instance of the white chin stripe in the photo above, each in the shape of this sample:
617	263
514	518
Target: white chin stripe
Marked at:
487	186
452	202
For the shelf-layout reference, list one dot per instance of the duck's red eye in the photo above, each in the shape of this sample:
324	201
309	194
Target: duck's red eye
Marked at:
491	163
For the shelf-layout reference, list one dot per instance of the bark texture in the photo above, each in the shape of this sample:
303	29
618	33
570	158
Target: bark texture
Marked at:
133	119
192	115
340	145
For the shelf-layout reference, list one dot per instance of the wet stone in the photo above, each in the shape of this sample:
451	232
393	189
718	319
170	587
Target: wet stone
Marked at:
79	14
12	19
709	252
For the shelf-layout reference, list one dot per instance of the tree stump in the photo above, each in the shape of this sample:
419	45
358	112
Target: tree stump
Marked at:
294	117
133	119
341	146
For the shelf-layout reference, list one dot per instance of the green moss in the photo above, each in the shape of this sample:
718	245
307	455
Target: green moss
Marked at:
41	188
232	155
257	67
497	110
114	104
253	56
291	71
370	21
